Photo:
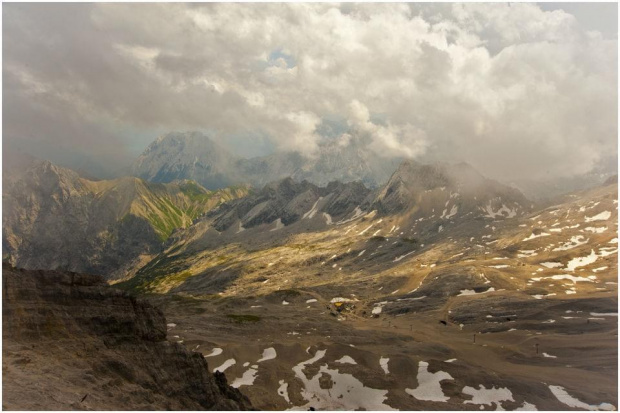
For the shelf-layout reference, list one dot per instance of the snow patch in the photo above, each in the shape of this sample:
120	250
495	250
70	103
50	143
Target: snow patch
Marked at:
528	407
328	218
403	256
552	264
310	214
541	296
268	354
347	393
215	352
574	242
283	390
346	360
484	396
599	217
429	384
341	300
534	236
581	261
473	292
383	362
596	230
225	365
453	212
246	380
279	225
510	213
560	393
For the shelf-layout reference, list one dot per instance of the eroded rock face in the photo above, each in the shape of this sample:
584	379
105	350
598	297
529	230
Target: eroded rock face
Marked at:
290	202
72	342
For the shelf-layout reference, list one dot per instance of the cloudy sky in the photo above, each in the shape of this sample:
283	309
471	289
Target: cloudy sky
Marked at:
515	89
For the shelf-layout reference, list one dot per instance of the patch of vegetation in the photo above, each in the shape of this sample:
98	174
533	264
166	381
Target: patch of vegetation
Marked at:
379	238
162	230
194	191
156	272
170	281
243	318
410	240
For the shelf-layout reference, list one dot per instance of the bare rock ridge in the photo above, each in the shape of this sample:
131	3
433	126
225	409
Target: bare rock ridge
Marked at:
70	342
289	201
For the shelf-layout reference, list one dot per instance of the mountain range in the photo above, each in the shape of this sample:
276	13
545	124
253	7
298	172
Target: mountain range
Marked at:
54	219
442	289
195	156
435	289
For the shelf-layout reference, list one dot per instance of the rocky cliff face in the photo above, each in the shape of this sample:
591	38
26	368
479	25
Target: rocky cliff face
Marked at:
285	202
72	342
54	219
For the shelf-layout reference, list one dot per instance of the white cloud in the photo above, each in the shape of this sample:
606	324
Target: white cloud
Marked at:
390	140
508	87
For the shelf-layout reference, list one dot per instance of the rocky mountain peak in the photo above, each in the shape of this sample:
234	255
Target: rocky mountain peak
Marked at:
190	155
193	155
439	185
50	178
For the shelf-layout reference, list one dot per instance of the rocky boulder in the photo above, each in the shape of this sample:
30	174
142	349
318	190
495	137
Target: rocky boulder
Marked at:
71	342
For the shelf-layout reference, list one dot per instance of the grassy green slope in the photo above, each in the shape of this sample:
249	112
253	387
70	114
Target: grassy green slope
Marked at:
171	206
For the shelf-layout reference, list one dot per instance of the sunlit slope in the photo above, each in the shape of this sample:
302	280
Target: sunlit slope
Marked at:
289	224
409	310
165	206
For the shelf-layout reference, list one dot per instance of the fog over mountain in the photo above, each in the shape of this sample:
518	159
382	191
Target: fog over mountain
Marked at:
196	156
519	91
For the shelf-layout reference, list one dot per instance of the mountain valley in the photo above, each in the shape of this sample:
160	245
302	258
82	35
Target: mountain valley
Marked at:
310	206
441	289
458	295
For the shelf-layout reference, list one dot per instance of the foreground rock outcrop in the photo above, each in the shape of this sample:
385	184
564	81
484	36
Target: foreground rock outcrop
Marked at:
72	342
